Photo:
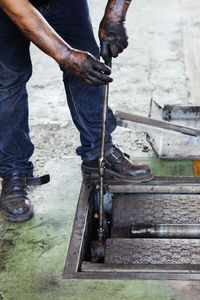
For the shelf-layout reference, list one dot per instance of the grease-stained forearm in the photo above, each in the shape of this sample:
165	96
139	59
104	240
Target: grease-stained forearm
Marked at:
112	32
35	28
117	9
80	64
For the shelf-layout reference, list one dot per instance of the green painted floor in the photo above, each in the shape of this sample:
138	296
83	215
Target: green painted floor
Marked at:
32	254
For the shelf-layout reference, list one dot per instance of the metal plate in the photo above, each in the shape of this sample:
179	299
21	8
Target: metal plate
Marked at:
153	209
152	251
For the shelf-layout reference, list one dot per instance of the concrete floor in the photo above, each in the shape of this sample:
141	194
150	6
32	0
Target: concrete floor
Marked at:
32	255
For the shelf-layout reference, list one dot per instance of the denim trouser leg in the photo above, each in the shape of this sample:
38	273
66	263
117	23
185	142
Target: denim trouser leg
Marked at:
15	70
72	22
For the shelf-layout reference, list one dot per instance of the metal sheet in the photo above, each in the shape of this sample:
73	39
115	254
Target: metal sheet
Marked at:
153	209
152	251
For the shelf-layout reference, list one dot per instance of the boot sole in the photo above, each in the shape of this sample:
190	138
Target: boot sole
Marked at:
110	175
19	218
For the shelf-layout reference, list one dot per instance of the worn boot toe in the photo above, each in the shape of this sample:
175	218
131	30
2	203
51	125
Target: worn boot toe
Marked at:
15	205
119	167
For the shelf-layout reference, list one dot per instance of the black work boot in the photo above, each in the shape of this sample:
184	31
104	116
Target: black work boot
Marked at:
15	205
119	167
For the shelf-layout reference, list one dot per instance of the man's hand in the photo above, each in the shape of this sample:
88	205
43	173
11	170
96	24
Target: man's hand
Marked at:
80	64
113	38
86	67
112	32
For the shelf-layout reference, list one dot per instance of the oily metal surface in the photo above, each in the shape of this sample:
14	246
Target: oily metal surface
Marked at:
154	209
152	251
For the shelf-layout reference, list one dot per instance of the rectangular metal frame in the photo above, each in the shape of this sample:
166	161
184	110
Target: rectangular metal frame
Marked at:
76	267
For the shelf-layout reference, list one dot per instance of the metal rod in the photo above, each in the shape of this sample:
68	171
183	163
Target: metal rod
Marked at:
155	123
101	233
187	231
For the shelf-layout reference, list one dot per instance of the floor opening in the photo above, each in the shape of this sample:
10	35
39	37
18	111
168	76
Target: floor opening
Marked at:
152	231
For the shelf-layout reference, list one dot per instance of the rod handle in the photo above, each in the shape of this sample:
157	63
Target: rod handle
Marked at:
108	62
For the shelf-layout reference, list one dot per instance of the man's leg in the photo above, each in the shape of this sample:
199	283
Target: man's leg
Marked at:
15	145
15	70
71	20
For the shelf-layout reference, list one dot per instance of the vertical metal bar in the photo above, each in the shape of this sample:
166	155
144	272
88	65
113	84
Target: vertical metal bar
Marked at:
101	233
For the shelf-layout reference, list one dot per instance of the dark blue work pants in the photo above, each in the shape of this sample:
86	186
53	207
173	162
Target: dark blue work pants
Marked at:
71	20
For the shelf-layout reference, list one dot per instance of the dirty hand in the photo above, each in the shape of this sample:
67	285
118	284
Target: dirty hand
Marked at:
86	68
113	38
